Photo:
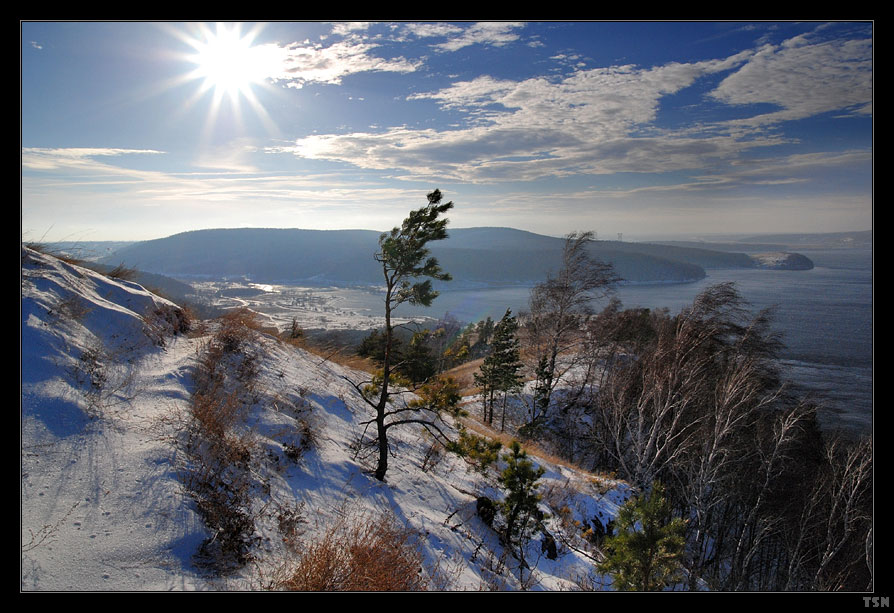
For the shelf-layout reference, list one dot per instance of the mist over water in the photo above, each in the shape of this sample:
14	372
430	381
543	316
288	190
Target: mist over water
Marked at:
824	315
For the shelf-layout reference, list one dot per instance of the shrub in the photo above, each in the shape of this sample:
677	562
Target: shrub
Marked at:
486	510
167	320
218	476
223	501
296	447
179	319
373	554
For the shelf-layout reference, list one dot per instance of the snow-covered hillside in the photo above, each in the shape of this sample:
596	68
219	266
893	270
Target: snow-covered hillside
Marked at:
108	382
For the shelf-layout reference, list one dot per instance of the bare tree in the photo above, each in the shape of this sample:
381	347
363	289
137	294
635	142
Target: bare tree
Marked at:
830	545
559	310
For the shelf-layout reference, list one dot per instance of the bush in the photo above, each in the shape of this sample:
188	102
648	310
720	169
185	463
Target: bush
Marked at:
217	475
373	554
167	320
180	320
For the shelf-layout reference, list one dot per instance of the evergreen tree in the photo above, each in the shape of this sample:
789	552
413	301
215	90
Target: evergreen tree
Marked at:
499	372
405	257
645	554
373	347
484	380
520	480
484	329
417	362
507	353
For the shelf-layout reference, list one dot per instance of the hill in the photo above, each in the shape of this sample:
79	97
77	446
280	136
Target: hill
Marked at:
474	256
127	484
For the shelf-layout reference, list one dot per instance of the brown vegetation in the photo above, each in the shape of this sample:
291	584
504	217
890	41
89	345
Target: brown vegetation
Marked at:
216	474
374	553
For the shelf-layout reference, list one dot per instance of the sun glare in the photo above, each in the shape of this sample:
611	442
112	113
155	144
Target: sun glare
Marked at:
231	66
229	63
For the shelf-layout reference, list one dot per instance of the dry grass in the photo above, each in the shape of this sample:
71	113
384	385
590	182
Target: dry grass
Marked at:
59	255
122	272
167	320
236	328
339	355
530	446
219	450
464	375
218	478
73	308
374	553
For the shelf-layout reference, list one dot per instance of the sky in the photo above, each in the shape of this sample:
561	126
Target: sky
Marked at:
139	130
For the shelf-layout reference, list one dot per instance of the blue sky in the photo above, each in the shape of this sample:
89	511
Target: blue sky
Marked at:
133	131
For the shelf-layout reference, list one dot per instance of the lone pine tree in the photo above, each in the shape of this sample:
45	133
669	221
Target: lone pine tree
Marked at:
405	257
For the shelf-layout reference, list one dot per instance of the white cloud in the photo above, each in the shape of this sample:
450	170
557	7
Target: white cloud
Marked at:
301	63
803	79
484	33
37	158
426	30
589	122
344	28
603	120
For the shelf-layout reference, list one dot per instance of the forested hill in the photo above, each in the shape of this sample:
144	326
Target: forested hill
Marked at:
343	257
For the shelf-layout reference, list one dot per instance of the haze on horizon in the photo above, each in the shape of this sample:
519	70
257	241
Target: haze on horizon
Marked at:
135	130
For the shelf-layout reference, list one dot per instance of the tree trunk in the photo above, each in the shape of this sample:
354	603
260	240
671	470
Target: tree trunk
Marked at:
381	430
503	416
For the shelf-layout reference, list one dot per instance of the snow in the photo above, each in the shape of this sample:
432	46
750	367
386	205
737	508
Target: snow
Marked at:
106	389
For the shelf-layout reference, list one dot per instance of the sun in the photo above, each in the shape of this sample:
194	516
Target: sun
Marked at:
229	63
231	66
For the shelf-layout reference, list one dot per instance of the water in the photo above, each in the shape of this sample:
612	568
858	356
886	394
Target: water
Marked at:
824	315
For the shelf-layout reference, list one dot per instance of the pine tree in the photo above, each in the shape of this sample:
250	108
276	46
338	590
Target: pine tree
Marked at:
417	363
508	359
520	480
499	372
404	256
646	551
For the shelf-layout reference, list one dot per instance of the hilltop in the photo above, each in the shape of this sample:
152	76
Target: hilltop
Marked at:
119	494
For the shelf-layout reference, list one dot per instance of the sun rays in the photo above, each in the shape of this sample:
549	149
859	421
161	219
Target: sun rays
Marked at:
229	65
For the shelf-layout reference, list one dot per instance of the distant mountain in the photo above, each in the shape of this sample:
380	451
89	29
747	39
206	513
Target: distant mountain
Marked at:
264	254
828	240
783	242
473	256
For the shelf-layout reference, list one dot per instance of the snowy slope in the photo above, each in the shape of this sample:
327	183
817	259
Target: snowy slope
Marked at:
106	390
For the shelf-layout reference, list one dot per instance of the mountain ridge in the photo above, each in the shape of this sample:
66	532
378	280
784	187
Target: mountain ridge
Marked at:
345	257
